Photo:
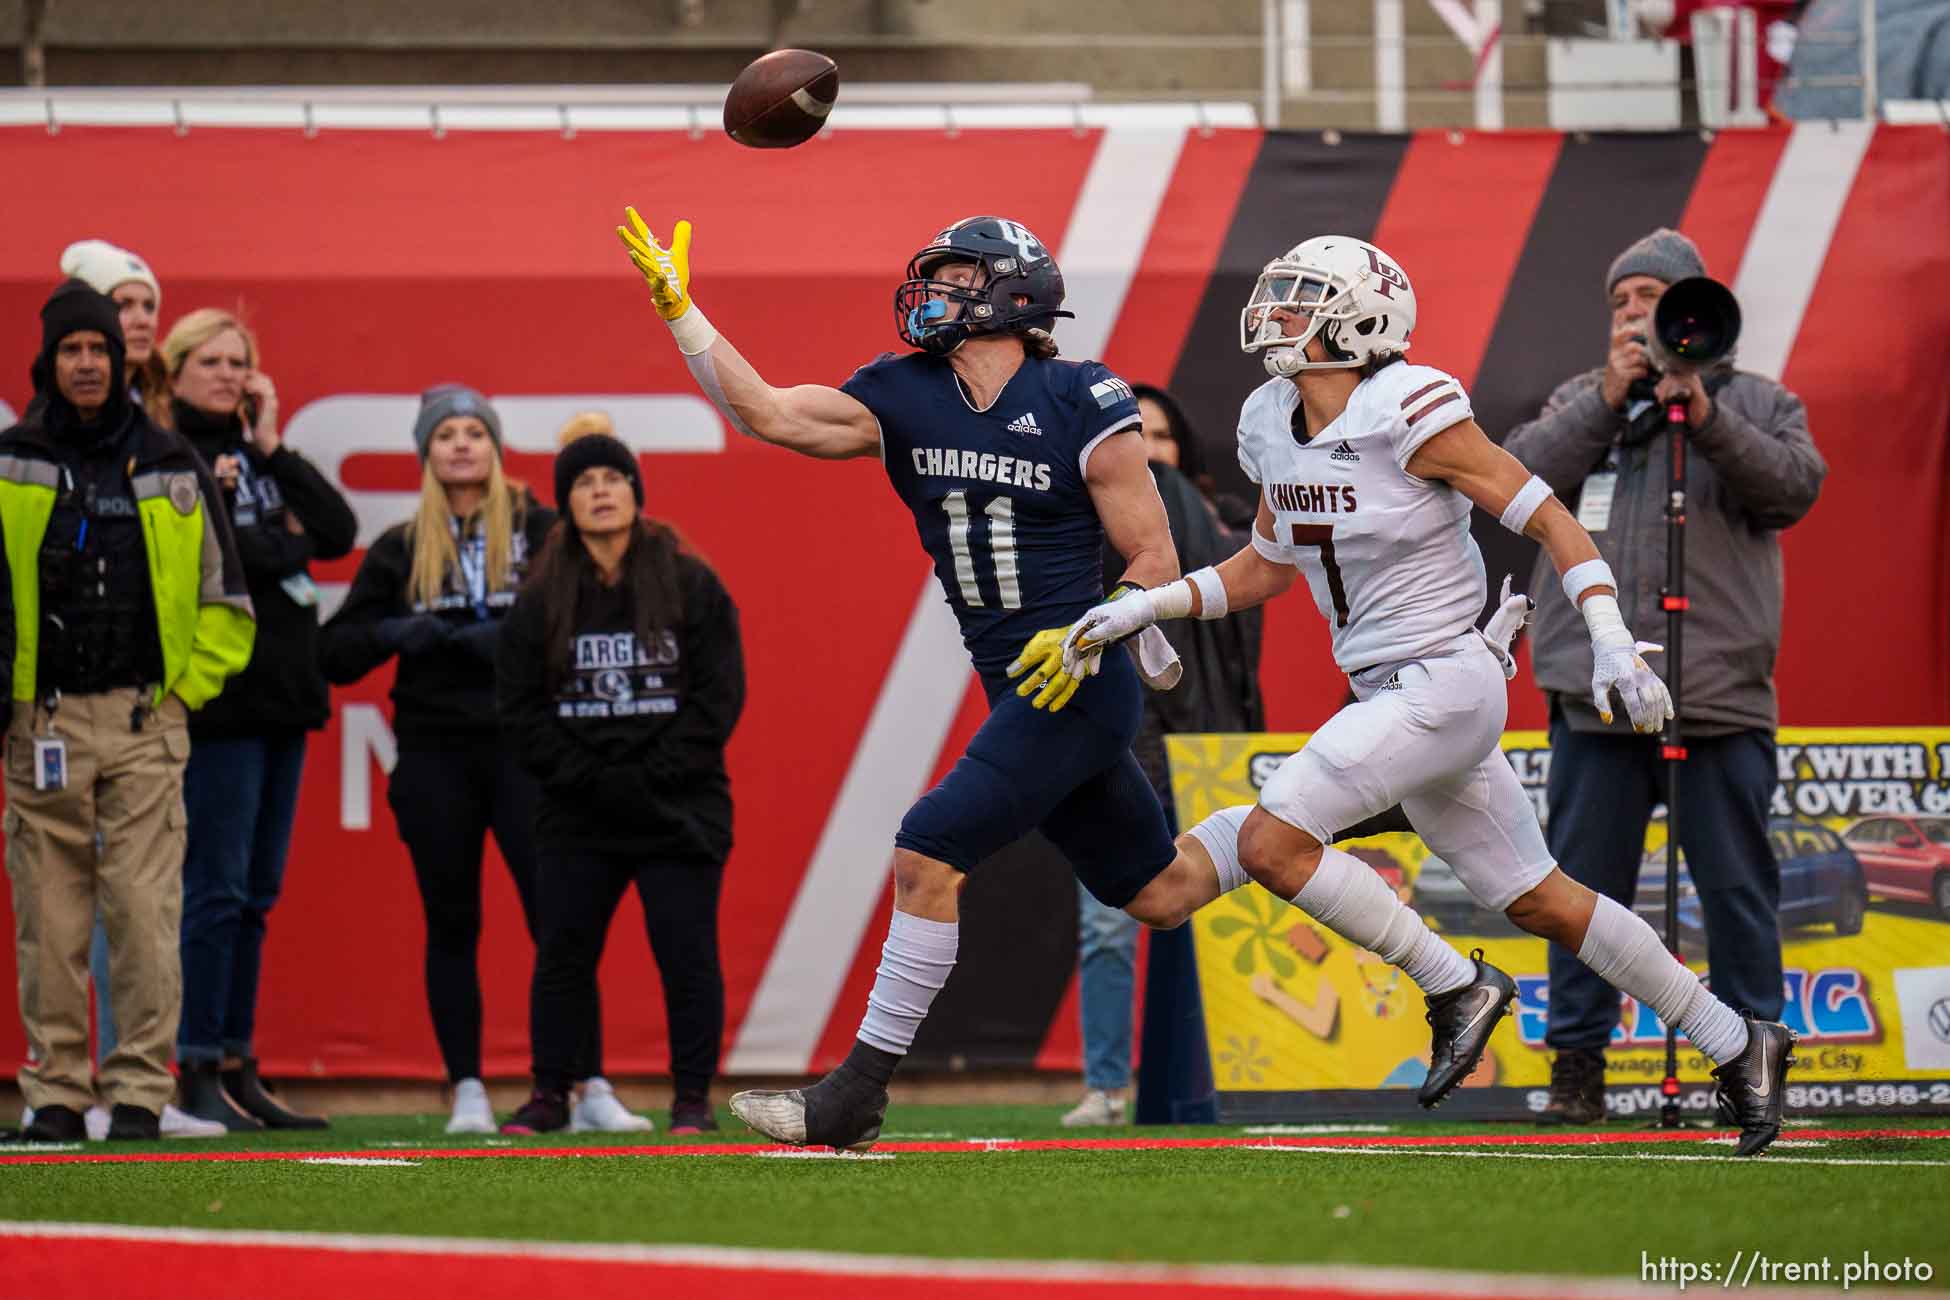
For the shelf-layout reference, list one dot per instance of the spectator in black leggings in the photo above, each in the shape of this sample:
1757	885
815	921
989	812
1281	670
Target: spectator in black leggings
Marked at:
621	678
434	591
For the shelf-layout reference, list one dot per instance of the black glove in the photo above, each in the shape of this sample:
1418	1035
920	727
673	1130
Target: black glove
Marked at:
479	638
413	634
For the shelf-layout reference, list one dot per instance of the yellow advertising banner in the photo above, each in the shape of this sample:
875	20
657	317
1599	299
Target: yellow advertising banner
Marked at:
1300	1022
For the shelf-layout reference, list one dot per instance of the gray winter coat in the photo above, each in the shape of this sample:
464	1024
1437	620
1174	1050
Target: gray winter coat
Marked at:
1753	471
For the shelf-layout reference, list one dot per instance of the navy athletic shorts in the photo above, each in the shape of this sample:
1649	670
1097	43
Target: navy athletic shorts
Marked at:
1070	775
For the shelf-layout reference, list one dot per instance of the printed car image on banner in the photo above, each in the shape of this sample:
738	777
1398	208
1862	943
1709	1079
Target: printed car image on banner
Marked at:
1301	1023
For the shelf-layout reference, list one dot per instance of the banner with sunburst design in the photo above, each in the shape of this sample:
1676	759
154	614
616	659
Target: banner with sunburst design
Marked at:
1302	1024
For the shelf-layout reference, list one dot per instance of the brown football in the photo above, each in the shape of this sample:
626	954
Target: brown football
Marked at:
781	99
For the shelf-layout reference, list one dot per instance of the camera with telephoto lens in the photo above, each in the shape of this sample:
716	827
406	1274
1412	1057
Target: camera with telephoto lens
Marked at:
1695	323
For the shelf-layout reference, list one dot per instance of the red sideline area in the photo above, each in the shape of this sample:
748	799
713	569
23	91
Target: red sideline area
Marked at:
50	1261
967	1145
46	1268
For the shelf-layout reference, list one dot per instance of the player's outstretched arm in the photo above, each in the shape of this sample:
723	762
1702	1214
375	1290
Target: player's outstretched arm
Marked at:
1497	482
811	419
1254	576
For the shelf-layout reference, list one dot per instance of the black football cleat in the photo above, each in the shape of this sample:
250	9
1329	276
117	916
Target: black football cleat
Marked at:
1753	1085
842	1111
1461	1022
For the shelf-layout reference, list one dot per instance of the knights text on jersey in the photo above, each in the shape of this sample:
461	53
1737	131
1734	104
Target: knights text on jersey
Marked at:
998	496
1387	555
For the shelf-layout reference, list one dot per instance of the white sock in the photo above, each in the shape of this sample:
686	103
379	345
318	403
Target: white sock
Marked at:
1347	897
914	964
1625	952
1219	833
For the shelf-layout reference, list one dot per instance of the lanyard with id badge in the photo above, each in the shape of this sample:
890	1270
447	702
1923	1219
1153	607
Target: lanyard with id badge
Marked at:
1594	502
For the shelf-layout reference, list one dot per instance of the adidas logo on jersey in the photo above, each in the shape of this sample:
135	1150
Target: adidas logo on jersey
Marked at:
1345	453
1026	423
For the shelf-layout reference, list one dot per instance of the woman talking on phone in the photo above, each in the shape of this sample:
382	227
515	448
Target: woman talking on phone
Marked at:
247	745
621	676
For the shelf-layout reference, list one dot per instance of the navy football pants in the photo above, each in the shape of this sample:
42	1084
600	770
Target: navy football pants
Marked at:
1069	774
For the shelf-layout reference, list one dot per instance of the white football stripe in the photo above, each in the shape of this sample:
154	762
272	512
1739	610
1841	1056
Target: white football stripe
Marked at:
1790	239
1115	210
811	105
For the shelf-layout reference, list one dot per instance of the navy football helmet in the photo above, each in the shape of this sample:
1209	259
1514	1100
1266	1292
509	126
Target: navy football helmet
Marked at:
1014	265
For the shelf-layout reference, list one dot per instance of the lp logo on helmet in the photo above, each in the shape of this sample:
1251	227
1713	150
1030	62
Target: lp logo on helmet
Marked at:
1024	241
1391	278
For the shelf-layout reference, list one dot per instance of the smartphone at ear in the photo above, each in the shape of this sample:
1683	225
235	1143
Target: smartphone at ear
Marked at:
248	408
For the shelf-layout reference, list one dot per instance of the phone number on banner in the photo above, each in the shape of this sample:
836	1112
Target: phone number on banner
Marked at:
1816	1096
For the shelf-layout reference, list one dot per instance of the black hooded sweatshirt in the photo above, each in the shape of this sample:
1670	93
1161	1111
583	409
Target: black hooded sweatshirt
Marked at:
281	689
443	697
628	742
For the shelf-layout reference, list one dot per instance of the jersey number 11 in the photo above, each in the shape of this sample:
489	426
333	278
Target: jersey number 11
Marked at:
1001	514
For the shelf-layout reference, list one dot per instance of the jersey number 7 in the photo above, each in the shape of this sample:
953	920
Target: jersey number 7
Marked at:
1322	535
1001	513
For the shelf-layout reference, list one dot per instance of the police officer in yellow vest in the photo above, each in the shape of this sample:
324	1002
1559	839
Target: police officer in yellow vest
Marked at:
130	610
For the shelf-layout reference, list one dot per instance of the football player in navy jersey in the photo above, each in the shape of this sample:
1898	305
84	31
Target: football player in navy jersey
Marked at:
1016	466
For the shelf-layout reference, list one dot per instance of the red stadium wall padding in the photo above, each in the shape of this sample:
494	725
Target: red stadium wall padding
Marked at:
381	262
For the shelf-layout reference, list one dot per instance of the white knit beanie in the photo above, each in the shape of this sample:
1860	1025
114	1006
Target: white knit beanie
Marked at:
102	266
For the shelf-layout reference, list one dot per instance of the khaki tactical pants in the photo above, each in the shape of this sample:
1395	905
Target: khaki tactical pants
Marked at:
128	785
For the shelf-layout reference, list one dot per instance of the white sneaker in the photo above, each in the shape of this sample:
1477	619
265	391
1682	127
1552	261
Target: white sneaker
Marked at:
180	1124
597	1110
1098	1109
95	1120
472	1113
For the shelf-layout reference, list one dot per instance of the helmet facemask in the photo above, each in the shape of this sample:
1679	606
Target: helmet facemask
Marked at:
1320	295
922	313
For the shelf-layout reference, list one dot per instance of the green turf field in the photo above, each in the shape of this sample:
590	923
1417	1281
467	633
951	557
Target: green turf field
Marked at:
1584	1209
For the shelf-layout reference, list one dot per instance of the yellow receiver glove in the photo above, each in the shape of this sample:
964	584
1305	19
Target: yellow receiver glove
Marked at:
1042	658
667	270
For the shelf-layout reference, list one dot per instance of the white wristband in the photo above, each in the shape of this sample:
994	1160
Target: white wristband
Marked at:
1580	578
694	334
1516	515
1173	600
1211	592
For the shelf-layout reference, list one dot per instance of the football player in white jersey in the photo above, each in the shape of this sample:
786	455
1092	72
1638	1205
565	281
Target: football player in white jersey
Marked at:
1367	468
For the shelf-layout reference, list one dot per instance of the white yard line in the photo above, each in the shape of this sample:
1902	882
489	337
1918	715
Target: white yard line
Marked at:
1462	1154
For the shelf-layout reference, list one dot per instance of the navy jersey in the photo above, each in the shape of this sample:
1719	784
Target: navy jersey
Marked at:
998	496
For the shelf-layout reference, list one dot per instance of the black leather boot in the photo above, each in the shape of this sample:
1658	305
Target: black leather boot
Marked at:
247	1090
204	1097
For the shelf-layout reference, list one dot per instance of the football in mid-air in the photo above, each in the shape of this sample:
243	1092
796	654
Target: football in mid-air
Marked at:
781	99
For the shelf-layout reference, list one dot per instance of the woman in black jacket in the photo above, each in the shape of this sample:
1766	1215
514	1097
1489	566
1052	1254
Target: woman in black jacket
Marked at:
435	591
247	745
621	678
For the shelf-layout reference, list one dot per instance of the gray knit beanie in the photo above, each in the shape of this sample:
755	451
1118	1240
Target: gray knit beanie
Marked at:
443	402
1665	254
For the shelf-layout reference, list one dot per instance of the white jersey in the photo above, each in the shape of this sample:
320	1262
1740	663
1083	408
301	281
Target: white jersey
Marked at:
1387	555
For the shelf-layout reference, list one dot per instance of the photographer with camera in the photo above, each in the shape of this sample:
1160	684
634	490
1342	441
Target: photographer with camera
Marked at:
1754	470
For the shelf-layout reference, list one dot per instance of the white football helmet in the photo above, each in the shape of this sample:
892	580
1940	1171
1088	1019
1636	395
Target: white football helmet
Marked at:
1355	298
